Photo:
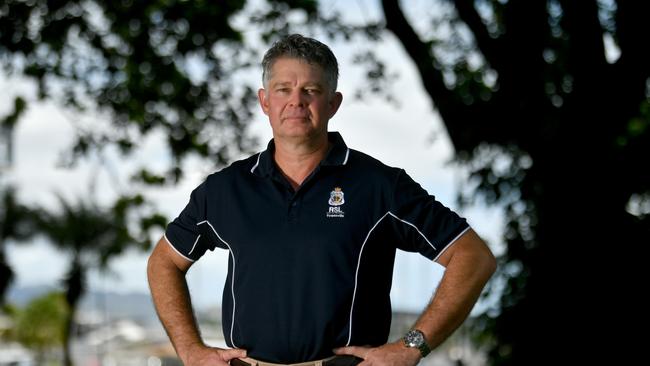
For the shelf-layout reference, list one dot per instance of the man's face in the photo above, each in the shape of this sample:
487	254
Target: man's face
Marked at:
297	100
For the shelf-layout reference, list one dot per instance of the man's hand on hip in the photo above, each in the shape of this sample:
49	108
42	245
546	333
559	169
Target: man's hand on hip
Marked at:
390	354
211	356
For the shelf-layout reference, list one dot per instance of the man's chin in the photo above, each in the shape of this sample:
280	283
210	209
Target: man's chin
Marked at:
301	133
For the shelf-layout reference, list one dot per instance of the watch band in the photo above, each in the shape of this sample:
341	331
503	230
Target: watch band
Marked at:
424	349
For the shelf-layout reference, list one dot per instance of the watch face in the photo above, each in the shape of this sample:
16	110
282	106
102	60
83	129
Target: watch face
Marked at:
414	338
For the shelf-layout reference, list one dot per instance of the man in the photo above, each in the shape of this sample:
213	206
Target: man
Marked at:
312	227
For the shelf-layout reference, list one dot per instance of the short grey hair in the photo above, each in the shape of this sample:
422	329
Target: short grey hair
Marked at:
305	49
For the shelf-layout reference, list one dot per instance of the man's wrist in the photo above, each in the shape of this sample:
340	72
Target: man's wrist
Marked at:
189	349
416	339
413	352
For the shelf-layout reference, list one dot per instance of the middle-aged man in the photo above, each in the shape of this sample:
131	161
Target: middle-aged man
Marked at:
312	228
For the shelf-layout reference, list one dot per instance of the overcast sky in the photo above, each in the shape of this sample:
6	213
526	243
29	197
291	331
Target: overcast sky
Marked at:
402	137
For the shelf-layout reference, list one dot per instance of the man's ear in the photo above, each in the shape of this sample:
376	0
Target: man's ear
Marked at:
335	103
264	103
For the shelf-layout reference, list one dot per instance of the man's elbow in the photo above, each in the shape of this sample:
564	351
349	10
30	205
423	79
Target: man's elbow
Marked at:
492	264
484	261
488	263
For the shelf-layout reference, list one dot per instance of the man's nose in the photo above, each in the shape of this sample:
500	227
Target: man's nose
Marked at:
297	98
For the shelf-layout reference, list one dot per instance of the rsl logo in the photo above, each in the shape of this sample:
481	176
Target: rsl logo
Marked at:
337	198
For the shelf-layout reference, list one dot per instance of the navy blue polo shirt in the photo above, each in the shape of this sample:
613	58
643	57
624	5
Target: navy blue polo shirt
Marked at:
310	270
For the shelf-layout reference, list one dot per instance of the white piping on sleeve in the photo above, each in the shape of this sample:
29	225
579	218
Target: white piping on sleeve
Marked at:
452	242
232	282
194	246
256	164
176	250
415	227
356	275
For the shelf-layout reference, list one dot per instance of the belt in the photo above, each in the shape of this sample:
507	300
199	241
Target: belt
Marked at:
330	361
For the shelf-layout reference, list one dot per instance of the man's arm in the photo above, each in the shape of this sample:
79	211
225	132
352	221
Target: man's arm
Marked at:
166	271
469	265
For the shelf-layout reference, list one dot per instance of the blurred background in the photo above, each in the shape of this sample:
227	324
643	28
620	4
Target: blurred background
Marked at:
529	118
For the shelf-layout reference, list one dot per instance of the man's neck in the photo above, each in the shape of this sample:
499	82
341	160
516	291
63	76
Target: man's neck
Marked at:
297	159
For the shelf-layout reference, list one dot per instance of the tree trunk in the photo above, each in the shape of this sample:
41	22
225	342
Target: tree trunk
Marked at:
581	265
67	337
75	288
6	275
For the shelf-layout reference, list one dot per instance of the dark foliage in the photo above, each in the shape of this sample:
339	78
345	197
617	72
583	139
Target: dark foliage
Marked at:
557	134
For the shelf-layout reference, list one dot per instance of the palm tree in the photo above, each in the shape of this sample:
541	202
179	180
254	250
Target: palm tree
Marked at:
92	236
15	224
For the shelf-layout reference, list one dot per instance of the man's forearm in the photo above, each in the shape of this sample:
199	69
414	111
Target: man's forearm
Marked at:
173	305
464	279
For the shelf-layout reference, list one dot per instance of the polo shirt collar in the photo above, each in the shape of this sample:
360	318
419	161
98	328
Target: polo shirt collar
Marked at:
337	155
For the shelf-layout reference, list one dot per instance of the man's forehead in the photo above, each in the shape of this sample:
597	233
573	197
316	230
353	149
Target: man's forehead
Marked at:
282	82
281	79
289	64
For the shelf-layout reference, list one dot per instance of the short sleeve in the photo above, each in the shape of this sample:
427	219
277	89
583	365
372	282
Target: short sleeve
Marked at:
421	223
187	234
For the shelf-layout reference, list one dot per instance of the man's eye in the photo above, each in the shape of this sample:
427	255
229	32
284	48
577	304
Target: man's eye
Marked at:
312	91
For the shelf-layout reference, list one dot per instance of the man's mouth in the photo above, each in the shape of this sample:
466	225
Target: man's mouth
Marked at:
299	117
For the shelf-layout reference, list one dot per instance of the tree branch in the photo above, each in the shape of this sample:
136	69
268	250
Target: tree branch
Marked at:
455	114
522	102
489	47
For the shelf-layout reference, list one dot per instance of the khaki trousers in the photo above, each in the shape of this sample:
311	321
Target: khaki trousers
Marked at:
247	361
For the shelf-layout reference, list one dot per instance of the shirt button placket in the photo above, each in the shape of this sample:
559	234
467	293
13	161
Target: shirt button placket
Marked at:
293	210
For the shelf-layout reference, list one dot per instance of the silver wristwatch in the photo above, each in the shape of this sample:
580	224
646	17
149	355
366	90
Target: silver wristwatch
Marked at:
415	339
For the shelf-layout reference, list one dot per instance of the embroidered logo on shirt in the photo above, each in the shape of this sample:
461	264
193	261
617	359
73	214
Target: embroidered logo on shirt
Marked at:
337	198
